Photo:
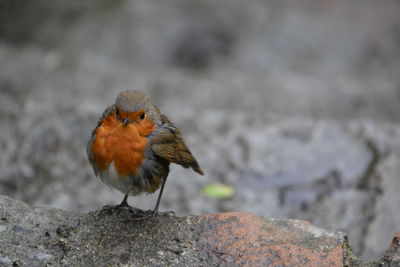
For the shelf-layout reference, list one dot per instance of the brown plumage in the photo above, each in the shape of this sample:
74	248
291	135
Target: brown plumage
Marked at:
133	144
169	144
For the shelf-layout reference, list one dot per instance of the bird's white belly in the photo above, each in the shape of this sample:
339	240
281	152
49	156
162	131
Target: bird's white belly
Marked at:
121	183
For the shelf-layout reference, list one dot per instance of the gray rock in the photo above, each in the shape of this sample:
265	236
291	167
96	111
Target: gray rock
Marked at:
259	106
386	219
5	261
392	256
318	171
345	209
50	236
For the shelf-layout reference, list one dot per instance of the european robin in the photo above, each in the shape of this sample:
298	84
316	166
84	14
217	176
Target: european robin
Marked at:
133	145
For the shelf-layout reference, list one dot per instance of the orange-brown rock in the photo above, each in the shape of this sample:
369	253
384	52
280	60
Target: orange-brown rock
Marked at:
248	239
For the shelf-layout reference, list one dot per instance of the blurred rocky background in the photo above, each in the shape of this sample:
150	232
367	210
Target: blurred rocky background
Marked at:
294	104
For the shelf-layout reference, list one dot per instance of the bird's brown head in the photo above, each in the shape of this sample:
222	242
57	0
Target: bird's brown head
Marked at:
135	109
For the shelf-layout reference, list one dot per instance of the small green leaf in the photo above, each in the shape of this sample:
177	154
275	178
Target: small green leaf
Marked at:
218	191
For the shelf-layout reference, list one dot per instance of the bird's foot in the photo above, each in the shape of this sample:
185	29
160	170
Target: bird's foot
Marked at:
119	208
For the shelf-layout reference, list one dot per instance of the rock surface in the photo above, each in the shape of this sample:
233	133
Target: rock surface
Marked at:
392	256
292	103
46	236
337	176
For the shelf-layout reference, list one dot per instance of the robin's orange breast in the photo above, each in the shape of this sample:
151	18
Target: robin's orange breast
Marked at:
122	144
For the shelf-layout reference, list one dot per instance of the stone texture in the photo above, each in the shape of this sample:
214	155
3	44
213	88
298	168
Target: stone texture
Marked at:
46	236
386	220
345	209
247	239
392	256
259	106
24	232
318	171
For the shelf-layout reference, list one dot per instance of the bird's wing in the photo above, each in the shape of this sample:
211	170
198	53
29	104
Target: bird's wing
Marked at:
167	143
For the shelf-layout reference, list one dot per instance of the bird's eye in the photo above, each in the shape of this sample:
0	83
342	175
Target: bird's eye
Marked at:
142	116
117	112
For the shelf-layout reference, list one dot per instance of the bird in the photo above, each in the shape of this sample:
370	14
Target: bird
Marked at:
133	145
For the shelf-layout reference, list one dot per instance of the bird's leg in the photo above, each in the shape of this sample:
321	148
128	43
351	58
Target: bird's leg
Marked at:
124	202
155	210
124	205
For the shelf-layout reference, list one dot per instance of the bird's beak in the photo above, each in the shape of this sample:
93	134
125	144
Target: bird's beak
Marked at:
126	121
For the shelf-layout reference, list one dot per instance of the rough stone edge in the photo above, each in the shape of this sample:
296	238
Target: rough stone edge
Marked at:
351	260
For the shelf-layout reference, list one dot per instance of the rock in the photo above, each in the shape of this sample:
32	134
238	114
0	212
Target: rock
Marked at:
345	209
319	171
39	236
260	112
392	256
247	239
386	219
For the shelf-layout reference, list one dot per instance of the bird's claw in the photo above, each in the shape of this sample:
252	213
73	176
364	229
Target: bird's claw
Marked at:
138	214
119	208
